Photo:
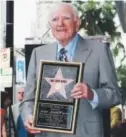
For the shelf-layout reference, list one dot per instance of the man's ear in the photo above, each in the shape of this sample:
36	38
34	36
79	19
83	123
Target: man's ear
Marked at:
78	23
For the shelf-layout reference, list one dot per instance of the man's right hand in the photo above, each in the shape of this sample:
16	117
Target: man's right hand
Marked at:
28	125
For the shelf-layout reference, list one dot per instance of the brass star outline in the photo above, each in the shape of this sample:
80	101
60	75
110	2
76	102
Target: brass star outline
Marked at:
58	84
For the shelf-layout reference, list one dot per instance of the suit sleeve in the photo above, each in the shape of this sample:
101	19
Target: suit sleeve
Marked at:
26	107
108	91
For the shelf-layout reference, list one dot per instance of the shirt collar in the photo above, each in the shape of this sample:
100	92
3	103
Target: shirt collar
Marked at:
70	47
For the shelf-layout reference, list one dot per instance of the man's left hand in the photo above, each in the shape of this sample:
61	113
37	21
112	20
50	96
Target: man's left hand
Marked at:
82	90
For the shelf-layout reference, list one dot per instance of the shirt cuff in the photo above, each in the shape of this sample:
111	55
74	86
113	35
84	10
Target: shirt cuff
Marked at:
95	101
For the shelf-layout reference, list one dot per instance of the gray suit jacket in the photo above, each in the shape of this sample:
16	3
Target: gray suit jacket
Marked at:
99	73
15	111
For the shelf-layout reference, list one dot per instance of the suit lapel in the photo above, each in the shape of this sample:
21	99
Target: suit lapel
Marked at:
50	52
82	51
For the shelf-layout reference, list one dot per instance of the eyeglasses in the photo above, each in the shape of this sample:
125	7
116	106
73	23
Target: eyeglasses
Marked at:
20	92
64	18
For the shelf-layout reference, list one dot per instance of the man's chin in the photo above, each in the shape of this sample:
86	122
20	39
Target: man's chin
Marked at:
62	38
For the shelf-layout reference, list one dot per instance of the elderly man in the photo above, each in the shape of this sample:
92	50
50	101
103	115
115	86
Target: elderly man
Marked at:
98	89
15	107
20	129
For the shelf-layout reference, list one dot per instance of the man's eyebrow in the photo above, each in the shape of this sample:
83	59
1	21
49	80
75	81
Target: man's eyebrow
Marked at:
62	15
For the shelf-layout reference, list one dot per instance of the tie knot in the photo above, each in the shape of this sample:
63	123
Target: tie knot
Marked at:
62	55
63	51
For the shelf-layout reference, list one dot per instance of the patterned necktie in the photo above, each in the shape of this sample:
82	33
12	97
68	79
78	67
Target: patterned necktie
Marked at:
62	55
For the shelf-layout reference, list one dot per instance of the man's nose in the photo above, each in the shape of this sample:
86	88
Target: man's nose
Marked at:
22	93
60	22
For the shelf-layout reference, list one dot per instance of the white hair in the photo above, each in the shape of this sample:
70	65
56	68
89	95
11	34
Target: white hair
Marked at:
59	5
22	86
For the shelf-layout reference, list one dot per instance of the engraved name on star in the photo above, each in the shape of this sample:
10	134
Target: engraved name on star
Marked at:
58	84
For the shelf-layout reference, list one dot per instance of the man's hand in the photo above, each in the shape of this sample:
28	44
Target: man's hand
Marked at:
81	90
28	125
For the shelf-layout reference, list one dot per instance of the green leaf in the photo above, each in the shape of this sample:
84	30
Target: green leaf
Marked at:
115	51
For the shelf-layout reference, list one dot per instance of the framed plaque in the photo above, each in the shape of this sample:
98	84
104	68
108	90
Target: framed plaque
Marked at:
55	110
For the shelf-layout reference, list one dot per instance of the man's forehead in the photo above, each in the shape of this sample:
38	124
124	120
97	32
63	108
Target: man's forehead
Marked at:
62	14
20	90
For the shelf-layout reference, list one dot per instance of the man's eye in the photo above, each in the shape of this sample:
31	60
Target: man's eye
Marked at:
54	19
63	18
67	18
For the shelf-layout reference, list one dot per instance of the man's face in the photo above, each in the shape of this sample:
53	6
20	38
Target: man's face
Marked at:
7	101
63	24
20	94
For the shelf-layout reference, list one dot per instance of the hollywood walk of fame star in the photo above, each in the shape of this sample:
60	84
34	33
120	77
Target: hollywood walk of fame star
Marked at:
58	84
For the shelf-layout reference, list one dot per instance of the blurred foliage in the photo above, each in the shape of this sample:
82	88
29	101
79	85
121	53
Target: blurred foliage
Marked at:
121	71
97	18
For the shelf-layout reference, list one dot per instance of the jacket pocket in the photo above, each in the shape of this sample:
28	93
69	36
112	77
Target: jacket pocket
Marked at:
93	127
